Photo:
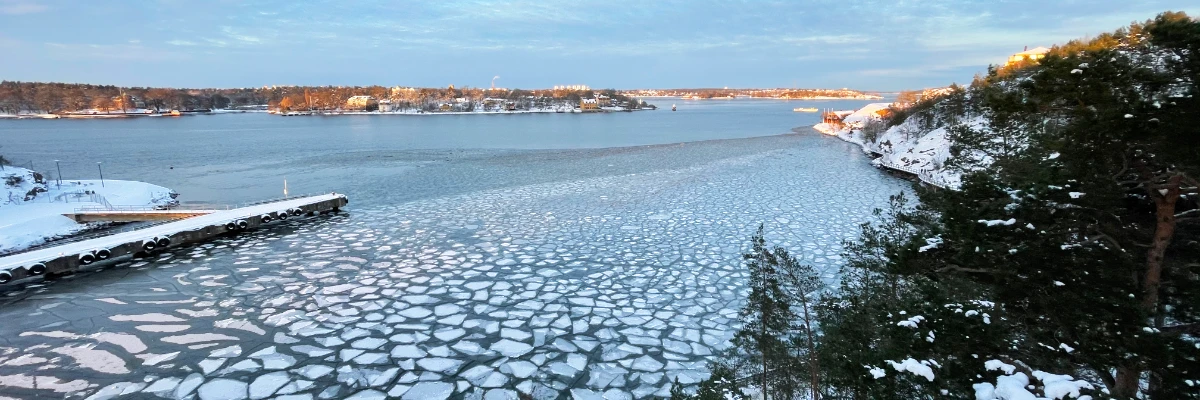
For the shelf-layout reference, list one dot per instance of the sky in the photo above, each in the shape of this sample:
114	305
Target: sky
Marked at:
868	45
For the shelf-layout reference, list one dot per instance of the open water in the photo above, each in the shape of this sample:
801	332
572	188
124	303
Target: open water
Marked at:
558	255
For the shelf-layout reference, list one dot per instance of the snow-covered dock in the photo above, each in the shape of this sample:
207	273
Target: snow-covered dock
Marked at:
67	258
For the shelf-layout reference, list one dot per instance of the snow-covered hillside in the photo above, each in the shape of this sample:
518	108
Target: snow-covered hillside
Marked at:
905	147
31	208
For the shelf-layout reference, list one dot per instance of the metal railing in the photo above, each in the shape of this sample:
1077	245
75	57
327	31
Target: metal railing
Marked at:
924	176
187	206
80	197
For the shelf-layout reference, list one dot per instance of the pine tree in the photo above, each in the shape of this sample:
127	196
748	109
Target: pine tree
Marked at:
766	318
1078	240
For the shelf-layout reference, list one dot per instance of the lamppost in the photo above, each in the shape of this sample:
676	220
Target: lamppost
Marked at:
101	173
59	167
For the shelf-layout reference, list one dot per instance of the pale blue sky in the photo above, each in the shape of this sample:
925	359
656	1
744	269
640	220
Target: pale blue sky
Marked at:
871	45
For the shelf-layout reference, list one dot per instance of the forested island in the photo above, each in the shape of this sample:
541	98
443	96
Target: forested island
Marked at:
776	93
51	98
17	98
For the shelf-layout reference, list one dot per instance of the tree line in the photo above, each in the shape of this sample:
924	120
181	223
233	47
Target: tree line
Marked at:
1066	265
51	97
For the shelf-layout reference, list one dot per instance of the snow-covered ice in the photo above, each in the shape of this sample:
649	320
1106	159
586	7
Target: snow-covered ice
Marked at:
605	285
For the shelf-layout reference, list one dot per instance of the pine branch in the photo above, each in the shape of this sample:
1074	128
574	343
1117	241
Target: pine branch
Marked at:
1175	330
956	268
1188	212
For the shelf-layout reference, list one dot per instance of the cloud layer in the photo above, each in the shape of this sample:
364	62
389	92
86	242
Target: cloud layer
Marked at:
877	45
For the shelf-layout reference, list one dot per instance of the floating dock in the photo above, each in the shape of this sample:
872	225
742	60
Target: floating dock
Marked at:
198	226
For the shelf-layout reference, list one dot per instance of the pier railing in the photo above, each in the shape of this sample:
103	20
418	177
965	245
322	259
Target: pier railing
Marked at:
106	207
924	176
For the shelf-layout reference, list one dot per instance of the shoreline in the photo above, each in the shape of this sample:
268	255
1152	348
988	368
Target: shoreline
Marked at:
921	155
415	113
309	114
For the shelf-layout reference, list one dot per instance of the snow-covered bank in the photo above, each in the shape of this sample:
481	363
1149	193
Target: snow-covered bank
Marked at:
32	208
905	147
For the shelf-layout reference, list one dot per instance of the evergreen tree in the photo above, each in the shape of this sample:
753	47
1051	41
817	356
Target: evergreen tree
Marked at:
1072	233
722	385
766	320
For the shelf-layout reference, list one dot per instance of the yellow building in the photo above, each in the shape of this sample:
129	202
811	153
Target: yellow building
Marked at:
589	104
1035	54
360	102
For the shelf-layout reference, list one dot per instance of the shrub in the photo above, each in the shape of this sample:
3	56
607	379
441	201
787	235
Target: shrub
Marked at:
14	180
872	128
32	193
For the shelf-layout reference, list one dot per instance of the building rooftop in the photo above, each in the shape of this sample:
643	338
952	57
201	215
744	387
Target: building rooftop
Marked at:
1034	51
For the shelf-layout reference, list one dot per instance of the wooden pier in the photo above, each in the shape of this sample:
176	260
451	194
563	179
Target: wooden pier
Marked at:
103	214
196	226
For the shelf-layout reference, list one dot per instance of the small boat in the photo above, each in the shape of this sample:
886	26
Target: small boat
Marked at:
672	107
174	113
805	109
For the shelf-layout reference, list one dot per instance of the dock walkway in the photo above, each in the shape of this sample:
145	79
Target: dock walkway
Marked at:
202	225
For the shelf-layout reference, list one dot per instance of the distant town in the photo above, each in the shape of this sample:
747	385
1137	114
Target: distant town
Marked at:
63	100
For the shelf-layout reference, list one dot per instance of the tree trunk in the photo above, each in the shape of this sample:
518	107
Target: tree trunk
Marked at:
1126	385
1128	375
763	350
812	353
1163	232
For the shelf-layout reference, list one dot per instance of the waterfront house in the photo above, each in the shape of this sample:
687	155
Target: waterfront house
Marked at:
1035	54
603	100
589	104
360	102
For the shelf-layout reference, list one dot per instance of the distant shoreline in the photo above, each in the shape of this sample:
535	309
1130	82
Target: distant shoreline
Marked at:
311	114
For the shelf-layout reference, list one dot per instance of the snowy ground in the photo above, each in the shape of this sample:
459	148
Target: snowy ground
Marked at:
600	286
25	223
905	146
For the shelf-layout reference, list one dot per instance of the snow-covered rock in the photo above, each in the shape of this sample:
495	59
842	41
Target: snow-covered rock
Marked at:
906	147
32	206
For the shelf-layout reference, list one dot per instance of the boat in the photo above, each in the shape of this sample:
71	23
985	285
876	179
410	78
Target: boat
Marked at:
174	113
805	109
672	107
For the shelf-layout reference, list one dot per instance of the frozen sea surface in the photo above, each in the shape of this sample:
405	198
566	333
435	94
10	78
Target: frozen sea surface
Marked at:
574	284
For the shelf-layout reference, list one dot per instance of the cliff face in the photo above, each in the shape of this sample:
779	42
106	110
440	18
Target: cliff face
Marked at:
908	146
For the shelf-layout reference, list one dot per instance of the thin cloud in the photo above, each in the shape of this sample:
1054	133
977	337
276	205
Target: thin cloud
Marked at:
18	7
